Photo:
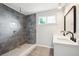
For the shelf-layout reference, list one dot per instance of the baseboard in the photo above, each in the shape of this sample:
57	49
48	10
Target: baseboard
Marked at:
43	45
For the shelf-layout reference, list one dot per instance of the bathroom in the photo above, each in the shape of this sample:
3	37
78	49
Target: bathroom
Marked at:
39	29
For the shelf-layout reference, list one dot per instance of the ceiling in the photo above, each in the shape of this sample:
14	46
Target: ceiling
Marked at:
29	8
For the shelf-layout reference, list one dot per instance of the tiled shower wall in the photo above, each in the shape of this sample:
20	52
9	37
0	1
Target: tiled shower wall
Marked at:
30	28
15	29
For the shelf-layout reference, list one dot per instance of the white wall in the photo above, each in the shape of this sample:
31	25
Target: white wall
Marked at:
44	33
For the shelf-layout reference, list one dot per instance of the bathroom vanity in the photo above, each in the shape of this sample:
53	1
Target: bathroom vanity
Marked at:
63	46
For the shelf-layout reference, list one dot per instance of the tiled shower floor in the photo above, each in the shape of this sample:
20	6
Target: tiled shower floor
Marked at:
41	51
30	50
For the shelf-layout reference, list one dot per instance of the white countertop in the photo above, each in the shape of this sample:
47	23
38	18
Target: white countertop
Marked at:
64	40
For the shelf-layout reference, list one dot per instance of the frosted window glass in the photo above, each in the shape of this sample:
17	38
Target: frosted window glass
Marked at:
51	19
47	20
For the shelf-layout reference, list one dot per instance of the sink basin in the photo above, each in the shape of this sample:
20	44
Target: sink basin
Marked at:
64	40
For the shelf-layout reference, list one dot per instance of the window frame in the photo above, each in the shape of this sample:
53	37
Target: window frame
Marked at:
46	20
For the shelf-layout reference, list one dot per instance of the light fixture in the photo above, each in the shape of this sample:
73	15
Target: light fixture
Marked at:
59	6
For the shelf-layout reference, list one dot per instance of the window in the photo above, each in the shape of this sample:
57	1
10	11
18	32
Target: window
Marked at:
47	20
51	19
42	20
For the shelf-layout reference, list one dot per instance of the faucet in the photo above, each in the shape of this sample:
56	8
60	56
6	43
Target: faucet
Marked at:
64	33
72	37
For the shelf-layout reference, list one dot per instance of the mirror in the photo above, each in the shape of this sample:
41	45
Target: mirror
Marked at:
70	20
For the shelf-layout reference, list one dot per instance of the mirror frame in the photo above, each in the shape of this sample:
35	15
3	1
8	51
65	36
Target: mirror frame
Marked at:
74	19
